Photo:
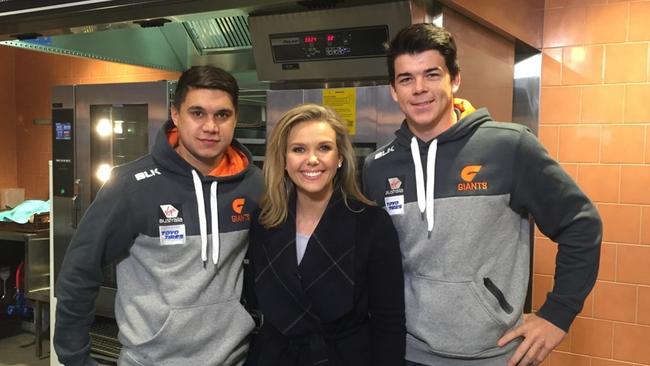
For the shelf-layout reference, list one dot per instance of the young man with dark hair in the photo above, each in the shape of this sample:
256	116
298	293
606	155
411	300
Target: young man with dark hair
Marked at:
178	237
460	188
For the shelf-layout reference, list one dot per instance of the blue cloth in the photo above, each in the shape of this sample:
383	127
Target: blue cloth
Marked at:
21	213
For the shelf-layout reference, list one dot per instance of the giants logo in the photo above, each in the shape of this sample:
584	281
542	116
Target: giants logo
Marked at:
467	175
238	208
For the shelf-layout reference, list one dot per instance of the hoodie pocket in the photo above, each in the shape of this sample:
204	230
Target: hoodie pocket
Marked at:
451	318
498	294
215	334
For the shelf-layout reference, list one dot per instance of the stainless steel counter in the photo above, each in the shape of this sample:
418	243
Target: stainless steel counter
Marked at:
37	256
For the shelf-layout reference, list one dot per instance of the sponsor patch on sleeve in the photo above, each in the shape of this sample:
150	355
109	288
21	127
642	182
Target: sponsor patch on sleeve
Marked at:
395	205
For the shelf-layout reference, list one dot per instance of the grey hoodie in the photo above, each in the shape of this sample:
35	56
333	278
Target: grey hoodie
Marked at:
464	233
179	284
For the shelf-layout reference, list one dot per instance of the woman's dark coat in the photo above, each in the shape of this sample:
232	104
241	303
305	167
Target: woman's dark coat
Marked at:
343	305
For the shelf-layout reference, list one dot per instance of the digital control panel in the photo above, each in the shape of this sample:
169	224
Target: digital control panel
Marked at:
63	152
350	43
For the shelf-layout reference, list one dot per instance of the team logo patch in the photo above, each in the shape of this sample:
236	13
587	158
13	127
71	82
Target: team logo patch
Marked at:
395	205
467	175
238	205
394	185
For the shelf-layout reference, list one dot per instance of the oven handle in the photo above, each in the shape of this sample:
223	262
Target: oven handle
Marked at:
76	202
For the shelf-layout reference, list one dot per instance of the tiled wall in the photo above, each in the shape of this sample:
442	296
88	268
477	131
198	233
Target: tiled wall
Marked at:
595	119
8	173
34	75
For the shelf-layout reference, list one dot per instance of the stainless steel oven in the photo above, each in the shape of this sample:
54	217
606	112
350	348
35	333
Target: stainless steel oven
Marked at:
96	127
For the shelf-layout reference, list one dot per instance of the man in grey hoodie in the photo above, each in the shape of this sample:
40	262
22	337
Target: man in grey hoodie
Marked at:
179	235
460	188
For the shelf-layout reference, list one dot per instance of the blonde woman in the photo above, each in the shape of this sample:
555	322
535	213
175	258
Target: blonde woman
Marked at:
325	265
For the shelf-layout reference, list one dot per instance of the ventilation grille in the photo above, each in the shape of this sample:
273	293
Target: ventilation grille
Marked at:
219	34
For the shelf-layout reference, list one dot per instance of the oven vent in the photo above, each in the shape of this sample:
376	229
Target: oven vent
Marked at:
221	34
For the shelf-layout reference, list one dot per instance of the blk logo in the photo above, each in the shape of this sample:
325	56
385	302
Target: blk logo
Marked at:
147	174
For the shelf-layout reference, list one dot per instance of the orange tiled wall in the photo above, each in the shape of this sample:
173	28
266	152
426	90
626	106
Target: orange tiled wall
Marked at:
595	119
8	173
35	74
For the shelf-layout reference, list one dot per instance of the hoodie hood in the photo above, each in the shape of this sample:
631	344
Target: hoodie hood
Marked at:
237	159
424	153
233	166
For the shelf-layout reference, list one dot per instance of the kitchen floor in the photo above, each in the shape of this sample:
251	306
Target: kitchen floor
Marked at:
18	350
17	347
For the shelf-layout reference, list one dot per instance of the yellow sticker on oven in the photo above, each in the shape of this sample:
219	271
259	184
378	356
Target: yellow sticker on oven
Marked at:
344	102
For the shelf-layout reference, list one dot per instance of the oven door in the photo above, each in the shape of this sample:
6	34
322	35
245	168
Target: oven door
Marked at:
113	124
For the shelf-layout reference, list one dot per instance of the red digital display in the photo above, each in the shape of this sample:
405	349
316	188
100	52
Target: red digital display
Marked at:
310	39
330	37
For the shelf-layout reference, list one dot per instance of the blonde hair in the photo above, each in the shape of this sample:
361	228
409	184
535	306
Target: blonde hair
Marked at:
277	185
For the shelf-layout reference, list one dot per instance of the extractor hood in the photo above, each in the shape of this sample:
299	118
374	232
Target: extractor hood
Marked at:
172	45
169	35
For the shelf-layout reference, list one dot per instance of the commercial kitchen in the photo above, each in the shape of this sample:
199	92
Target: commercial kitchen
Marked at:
85	85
